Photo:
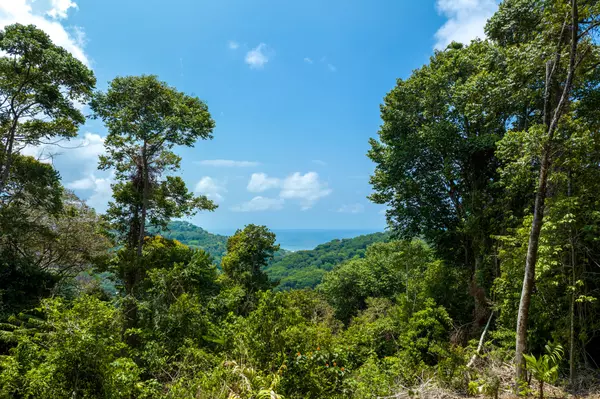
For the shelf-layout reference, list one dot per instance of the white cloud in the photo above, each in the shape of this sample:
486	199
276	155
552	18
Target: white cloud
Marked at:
100	187
260	182
59	8
308	60
78	160
228	163
307	188
352	208
80	153
210	187
233	45
47	19
87	183
331	67
102	194
259	56
319	162
466	20
258	204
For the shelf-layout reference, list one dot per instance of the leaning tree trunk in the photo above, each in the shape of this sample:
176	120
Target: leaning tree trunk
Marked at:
540	198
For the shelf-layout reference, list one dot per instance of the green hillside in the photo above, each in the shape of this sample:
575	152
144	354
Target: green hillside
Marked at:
196	237
305	269
301	269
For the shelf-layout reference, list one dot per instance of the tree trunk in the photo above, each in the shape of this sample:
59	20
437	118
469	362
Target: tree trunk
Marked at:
573	295
135	276
540	197
481	341
7	157
541	389
529	279
145	184
572	311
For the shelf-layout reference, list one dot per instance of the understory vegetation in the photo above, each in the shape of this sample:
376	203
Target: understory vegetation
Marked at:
486	283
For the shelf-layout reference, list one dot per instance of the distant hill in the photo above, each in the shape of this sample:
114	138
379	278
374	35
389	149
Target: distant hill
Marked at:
196	237
295	270
305	269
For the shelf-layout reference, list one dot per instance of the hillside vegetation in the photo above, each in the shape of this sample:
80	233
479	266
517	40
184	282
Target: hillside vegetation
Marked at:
486	160
305	269
196	237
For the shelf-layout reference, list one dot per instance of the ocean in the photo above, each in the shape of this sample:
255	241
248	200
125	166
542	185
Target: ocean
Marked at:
299	239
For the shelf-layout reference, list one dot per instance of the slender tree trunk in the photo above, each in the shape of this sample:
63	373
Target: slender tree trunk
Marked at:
481	341
540	197
145	184
573	295
529	279
131	308
572	338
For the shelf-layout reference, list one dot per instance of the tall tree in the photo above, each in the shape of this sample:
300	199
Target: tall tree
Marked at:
561	35
248	253
435	163
40	84
146	119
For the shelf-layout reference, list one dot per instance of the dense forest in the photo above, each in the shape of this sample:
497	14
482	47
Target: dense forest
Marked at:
305	269
291	270
195	237
487	159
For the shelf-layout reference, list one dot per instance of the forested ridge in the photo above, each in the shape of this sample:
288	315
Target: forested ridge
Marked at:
485	284
196	237
291	270
305	269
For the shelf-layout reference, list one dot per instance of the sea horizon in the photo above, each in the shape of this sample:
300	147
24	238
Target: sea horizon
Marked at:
306	239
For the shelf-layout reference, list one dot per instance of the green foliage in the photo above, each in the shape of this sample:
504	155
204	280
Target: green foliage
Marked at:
39	85
305	269
406	271
248	253
545	368
146	118
435	153
76	352
43	249
195	237
457	160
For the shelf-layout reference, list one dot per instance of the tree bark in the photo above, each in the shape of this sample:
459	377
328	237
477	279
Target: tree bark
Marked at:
7	156
540	197
145	183
481	341
573	295
529	279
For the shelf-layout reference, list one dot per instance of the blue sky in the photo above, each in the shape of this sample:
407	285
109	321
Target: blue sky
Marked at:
294	88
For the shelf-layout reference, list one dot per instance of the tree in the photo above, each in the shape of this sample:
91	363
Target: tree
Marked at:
248	252
146	119
31	185
564	45
44	242
40	84
435	161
